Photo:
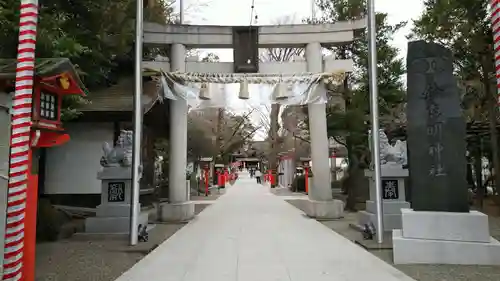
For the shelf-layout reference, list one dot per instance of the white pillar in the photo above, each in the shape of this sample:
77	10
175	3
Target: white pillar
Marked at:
288	173
321	189
178	208
281	171
178	134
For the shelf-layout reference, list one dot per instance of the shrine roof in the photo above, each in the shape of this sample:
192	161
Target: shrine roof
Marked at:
44	67
120	97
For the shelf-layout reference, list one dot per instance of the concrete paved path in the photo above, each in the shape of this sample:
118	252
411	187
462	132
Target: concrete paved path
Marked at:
251	235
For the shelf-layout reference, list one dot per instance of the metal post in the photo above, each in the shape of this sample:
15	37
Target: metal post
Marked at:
313	11
372	74
181	11
136	152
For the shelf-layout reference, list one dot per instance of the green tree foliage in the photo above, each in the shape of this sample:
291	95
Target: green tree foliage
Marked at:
463	27
95	35
211	57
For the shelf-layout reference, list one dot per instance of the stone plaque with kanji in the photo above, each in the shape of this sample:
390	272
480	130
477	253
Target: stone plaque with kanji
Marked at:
116	192
390	189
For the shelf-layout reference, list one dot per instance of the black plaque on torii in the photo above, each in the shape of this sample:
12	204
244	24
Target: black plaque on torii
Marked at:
436	131
246	49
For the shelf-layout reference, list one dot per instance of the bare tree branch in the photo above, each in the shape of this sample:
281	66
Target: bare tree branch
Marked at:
301	138
227	148
238	127
339	141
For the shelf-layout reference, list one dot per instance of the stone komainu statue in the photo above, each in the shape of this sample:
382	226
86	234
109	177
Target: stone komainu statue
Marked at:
121	154
391	155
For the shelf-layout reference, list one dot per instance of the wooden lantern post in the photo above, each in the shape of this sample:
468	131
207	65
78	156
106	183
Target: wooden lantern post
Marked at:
44	129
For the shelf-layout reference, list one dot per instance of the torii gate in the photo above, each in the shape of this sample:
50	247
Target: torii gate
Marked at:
312	37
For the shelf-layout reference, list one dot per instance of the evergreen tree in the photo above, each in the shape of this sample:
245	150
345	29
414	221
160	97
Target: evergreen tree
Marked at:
97	36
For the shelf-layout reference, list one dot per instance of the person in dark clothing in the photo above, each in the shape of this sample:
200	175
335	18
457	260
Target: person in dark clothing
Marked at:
258	176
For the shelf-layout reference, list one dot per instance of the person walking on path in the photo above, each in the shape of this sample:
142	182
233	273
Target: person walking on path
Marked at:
258	176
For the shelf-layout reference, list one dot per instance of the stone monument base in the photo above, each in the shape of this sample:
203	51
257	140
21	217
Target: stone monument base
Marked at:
332	209
392	214
445	238
176	212
112	225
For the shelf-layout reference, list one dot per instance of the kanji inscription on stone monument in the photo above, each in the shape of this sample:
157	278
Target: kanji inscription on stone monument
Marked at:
116	192
390	189
435	131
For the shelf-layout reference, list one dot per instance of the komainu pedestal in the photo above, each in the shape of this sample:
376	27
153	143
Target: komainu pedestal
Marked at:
393	176
113	215
439	229
393	195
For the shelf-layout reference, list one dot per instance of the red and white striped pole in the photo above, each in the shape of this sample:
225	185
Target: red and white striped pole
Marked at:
495	26
19	163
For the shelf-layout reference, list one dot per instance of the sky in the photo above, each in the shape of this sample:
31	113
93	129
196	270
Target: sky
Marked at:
237	12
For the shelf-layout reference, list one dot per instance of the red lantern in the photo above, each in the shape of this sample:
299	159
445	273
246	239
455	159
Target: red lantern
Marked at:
48	96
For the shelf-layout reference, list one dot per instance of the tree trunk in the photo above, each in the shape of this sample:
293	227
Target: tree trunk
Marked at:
492	118
349	183
355	175
273	136
478	170
217	158
219	137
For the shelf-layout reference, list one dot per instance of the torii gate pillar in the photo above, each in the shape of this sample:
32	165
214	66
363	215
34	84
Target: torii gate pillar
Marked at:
179	207
321	204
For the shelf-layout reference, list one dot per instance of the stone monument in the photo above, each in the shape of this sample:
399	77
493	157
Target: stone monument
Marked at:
113	215
393	174
439	229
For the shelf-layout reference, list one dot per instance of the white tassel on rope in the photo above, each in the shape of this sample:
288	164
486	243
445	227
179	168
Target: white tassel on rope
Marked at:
244	93
204	92
280	91
167	92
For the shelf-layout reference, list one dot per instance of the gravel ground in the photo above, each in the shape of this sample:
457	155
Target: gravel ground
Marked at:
92	258
213	196
86	258
419	272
